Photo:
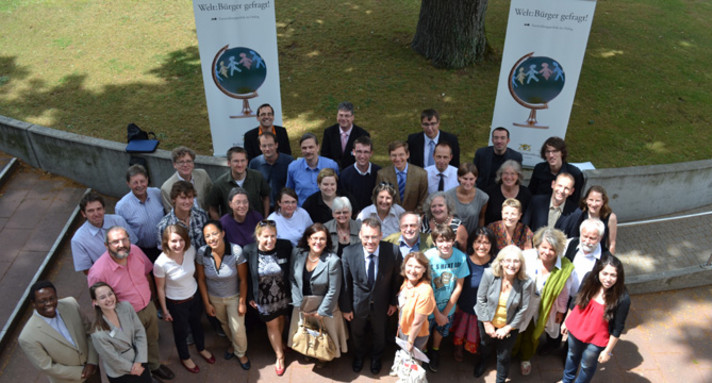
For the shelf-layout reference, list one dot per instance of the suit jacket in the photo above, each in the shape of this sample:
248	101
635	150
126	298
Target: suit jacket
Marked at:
50	352
517	303
284	251
201	182
416	186
416	145
356	296
325	281
331	144
537	214
483	162
121	348
252	142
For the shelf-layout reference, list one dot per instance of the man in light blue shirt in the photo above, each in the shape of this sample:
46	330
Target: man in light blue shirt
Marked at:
142	209
302	173
88	241
56	340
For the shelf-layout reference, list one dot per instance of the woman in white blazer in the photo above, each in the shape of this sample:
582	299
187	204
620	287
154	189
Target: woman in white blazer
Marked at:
119	337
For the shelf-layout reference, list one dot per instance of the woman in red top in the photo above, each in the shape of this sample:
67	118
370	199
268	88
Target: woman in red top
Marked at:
596	320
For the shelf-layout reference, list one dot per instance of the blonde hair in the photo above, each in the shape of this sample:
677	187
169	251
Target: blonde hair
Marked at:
504	253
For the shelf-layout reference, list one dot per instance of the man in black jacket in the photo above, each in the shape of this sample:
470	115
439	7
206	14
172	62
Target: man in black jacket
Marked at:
422	145
338	141
371	281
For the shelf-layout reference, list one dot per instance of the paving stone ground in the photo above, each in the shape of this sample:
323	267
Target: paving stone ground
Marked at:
668	337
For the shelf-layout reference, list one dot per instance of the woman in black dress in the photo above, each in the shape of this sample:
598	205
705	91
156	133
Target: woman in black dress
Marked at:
269	294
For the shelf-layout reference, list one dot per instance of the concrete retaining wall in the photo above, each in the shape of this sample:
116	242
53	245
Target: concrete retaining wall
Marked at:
97	163
639	192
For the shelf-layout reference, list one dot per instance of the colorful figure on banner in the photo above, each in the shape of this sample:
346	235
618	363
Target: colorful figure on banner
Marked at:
233	65
243	75
532	74
245	61
521	76
558	72
257	60
545	71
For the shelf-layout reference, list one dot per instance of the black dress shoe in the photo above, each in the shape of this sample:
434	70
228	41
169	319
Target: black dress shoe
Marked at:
163	372
357	364
480	369
375	366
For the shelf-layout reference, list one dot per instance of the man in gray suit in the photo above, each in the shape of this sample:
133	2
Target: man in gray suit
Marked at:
56	339
371	281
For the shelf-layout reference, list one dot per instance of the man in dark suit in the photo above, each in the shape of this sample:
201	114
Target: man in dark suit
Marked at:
339	139
422	145
410	180
548	210
490	158
265	115
371	281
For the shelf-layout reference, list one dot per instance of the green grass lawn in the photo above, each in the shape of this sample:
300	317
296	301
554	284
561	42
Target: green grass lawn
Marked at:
91	67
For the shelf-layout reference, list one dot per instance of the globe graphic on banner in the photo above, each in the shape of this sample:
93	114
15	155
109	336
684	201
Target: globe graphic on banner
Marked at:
534	81
238	73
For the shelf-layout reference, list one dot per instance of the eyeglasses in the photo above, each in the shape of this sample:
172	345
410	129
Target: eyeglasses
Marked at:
384	183
267	222
183	163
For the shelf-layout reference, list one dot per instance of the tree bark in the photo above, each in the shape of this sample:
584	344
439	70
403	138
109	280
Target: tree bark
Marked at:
451	33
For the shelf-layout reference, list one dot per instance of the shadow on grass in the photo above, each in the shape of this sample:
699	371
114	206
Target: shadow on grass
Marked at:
73	105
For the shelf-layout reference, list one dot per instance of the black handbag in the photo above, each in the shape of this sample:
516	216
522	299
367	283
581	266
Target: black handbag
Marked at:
140	141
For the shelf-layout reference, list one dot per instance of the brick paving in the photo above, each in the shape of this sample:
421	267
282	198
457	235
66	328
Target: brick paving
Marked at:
34	207
668	338
665	246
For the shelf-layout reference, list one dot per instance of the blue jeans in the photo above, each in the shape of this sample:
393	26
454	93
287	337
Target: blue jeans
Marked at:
582	353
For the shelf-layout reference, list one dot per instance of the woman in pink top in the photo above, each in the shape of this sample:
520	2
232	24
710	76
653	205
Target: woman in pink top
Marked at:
596	319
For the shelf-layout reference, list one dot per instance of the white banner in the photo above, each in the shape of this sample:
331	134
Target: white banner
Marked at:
541	63
237	40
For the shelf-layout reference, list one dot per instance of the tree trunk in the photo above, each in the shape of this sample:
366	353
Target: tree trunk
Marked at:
451	33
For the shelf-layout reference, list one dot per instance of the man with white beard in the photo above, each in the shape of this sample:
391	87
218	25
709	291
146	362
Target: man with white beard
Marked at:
584	251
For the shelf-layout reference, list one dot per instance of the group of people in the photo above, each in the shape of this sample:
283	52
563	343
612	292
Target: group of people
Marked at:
417	249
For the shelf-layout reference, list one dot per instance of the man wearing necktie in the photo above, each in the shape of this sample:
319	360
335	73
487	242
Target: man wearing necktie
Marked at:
338	141
412	180
422	145
442	176
371	281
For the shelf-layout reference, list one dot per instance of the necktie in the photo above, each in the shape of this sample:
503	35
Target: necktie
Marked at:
401	185
371	273
431	149
344	140
441	183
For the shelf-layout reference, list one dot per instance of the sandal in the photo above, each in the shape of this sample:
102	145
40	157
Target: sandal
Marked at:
279	367
526	367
